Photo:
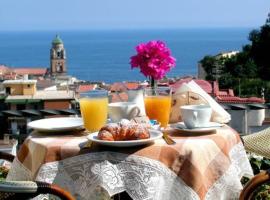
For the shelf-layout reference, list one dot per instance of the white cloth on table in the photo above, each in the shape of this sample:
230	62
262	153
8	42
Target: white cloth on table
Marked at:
100	175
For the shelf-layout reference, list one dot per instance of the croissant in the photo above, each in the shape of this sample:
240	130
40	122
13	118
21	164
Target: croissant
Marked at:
115	132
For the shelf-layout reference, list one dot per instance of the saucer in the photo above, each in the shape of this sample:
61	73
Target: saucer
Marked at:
59	124
209	127
154	135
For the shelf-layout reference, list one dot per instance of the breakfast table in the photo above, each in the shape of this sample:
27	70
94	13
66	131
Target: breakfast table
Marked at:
198	166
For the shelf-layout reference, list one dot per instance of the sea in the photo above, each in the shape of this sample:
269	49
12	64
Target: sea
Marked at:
104	55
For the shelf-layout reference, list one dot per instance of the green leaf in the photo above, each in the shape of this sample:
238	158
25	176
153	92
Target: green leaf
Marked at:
265	164
256	165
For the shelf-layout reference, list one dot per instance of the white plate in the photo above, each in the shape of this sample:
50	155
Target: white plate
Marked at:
209	127
57	124
154	134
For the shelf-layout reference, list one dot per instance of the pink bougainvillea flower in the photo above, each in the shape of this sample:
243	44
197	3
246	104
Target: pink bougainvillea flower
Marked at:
153	59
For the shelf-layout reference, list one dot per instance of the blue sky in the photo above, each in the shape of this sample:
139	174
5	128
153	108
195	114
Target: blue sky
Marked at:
130	14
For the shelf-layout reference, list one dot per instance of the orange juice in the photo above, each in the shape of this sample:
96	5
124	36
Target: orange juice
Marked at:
94	112
158	108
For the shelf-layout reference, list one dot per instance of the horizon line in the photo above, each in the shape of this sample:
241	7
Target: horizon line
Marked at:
131	29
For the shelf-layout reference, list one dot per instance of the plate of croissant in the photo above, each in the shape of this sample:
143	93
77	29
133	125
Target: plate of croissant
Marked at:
125	135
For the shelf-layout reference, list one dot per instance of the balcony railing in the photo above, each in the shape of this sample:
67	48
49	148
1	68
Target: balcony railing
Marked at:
38	113
21	117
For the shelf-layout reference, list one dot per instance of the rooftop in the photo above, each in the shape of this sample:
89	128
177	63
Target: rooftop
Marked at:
123	86
221	95
86	88
57	40
30	71
44	95
205	85
4	69
20	82
238	100
45	83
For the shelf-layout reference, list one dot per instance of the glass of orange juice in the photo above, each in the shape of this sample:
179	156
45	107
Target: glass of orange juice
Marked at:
158	104
94	109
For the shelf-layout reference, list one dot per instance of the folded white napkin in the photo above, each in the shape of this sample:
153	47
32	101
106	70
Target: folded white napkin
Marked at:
219	114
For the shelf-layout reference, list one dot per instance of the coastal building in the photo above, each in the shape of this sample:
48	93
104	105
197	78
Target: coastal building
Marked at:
22	98
4	71
35	93
12	73
43	84
20	87
227	54
58	57
44	101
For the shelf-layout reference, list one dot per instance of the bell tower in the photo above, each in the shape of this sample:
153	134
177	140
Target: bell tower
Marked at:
58	57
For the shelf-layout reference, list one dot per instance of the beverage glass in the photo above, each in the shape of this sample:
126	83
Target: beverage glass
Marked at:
158	104
94	109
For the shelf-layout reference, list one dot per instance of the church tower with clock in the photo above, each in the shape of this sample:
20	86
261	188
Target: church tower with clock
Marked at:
58	57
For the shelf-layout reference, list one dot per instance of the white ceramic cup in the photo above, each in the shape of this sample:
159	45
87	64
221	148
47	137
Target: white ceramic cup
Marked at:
123	110
196	116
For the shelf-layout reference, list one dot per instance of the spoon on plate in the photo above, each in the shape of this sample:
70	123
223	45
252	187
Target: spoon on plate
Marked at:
167	138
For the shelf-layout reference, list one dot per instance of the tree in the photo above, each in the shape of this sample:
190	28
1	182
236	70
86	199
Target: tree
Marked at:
248	70
260	49
241	66
213	66
208	63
